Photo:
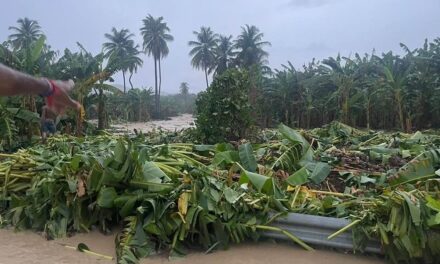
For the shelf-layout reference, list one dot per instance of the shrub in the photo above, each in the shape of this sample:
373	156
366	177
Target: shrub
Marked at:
223	112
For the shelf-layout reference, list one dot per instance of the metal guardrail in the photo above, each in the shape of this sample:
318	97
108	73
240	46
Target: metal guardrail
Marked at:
314	230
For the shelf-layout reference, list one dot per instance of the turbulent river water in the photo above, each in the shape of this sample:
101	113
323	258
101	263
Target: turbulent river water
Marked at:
174	124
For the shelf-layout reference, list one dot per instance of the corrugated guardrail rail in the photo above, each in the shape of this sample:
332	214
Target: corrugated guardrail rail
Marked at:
314	230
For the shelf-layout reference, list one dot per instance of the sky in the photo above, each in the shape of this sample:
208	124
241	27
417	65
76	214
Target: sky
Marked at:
299	30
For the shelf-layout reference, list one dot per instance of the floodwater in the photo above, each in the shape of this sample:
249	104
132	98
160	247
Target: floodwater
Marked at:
27	247
174	124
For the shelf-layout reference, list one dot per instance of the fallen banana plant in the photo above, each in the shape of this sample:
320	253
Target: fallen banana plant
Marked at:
174	196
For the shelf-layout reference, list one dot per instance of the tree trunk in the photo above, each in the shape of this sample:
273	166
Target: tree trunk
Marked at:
160	84
400	110
308	118
368	114
206	76
123	77
129	80
156	101
101	117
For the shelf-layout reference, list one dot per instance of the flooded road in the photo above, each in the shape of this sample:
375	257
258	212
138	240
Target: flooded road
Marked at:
27	247
175	123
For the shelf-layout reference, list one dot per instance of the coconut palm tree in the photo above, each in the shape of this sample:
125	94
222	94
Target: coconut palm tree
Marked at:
250	46
119	46
184	91
26	32
133	62
224	53
203	50
155	33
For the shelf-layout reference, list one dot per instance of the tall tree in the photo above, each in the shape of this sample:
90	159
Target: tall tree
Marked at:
133	62
224	53
395	72
27	32
250	46
155	33
184	91
252	56
119	45
203	50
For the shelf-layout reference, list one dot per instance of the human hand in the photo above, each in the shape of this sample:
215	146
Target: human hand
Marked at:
59	100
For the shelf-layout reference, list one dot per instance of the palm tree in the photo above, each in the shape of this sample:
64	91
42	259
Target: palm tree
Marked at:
28	31
155	34
119	46
250	46
203	51
223	54
133	62
184	91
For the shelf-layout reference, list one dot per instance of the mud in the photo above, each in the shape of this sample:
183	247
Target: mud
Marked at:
27	247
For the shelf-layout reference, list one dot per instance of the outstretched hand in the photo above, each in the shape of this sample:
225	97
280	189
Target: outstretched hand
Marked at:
60	100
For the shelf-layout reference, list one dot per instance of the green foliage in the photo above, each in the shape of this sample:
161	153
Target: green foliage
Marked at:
223	110
384	91
14	121
178	195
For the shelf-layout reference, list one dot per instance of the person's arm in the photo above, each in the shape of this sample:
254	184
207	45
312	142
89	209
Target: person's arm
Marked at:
16	83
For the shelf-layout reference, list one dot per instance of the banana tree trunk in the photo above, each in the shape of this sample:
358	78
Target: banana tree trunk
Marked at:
400	110
101	117
308	118
368	114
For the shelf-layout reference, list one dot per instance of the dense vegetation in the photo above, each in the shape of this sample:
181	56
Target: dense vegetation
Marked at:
386	91
174	196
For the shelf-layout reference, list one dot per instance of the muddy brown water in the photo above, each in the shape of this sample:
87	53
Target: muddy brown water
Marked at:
175	123
27	247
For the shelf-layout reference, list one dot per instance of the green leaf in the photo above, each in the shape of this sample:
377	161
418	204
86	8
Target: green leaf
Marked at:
366	179
421	167
432	203
128	207
247	157
292	135
106	197
231	195
37	49
152	173
225	158
414	209
261	182
204	148
320	171
299	177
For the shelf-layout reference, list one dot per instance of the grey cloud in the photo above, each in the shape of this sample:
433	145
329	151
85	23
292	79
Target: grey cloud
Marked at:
299	30
308	3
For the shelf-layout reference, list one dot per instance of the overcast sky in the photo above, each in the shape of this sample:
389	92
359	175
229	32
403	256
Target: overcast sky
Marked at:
299	30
